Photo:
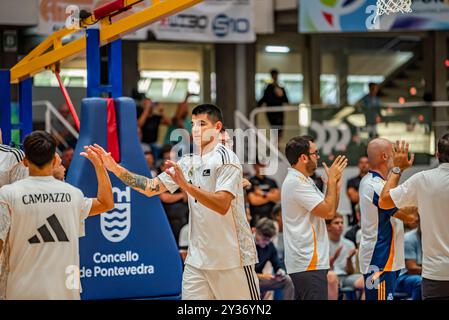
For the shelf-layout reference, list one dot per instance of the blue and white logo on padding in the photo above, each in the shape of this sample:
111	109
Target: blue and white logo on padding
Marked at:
115	224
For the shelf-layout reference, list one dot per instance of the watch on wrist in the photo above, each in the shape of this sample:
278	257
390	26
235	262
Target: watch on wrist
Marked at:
396	170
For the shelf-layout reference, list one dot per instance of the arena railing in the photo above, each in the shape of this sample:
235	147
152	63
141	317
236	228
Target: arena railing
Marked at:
52	114
344	130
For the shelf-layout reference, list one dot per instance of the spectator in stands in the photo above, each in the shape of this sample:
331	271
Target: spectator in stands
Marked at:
181	120
352	187
263	194
67	155
342	254
318	181
277	278
145	146
149	123
278	240
410	278
176	207
412	223
151	163
333	284
351	234
167	153
59	170
274	96
371	109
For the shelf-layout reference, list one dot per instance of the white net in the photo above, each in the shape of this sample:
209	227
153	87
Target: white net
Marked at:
393	6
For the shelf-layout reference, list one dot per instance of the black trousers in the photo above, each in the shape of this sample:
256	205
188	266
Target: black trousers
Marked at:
310	285
435	290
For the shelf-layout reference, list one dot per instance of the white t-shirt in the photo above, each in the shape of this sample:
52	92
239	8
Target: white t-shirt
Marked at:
184	237
216	242
305	235
43	217
10	159
340	262
429	191
382	242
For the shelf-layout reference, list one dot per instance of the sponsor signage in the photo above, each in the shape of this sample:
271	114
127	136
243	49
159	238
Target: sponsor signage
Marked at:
360	16
210	21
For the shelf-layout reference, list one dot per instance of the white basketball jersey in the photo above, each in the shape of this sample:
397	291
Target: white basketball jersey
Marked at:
46	219
9	158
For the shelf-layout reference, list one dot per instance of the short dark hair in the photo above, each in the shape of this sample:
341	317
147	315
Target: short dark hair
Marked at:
266	227
261	161
40	148
443	149
213	112
277	210
296	147
166	148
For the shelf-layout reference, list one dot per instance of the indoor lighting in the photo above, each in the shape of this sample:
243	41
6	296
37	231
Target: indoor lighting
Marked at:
277	49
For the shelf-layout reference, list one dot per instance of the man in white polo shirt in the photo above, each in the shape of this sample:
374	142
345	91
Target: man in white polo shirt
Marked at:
304	210
429	191
222	252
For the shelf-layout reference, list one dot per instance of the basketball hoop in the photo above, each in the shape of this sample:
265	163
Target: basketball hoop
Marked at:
393	6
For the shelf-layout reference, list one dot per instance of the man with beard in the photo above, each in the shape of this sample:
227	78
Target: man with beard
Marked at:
304	210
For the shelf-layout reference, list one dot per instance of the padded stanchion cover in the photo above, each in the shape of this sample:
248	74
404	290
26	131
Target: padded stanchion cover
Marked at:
129	252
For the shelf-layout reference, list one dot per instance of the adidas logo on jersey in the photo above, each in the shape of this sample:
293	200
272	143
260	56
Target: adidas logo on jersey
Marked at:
45	233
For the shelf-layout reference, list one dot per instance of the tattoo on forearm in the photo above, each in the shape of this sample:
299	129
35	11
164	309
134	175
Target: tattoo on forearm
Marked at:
154	185
134	180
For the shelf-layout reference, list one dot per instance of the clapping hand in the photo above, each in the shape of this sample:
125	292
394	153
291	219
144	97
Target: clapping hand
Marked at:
400	155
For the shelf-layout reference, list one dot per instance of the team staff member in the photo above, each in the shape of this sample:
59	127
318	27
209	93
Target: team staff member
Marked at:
41	219
429	191
304	210
221	253
381	251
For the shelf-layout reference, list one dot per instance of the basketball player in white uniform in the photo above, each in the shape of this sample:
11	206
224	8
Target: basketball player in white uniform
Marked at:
41	219
222	253
10	159
12	168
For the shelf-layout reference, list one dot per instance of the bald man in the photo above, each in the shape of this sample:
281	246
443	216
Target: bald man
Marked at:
381	252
